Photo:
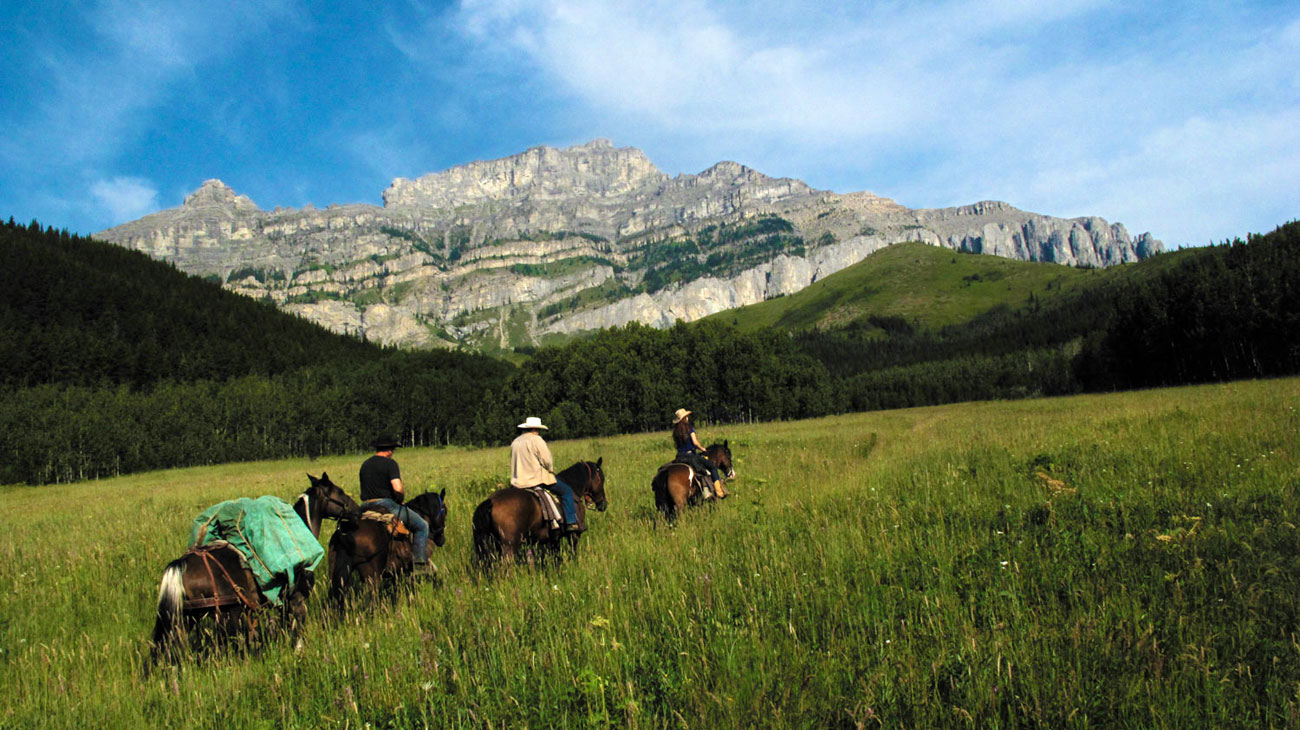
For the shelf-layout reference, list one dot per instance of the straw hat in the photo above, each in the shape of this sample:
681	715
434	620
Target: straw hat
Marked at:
679	415
532	422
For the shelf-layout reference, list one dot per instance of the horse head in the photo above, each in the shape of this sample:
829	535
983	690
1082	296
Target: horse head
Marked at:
323	500
432	506
720	454
595	492
335	503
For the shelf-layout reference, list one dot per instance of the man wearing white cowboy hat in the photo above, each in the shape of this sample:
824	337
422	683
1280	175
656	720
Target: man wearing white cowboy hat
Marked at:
530	466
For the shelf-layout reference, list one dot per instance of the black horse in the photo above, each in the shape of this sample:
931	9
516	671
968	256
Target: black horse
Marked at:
510	518
213	581
367	551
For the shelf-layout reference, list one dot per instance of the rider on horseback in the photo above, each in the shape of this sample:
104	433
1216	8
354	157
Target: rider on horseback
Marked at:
530	466
381	488
689	448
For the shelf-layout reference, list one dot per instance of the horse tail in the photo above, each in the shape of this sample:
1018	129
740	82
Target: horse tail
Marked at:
343	549
486	540
171	601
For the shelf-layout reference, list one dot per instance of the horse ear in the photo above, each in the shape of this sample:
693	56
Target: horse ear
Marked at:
599	461
443	494
324	476
725	444
312	478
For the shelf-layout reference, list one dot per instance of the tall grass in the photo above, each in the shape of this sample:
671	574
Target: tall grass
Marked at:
1096	561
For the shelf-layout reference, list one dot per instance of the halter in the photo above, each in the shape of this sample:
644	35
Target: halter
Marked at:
329	499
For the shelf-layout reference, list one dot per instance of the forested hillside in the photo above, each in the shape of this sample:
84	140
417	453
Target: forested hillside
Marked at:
98	381
1217	313
111	363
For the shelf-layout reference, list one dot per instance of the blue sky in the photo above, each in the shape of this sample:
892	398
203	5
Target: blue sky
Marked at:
1178	118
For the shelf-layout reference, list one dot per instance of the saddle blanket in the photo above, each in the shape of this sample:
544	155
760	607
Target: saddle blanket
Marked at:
550	505
390	520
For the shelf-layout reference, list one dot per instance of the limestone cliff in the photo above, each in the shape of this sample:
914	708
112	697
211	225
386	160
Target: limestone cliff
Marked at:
551	240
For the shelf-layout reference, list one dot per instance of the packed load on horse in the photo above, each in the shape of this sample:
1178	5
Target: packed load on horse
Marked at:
275	543
246	555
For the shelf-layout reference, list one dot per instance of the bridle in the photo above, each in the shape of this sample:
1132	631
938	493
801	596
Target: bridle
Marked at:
330	498
586	494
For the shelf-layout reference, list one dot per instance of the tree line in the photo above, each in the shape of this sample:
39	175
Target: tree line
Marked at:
112	363
1199	315
109	394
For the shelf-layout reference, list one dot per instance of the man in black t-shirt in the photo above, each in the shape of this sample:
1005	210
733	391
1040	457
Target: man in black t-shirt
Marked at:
381	488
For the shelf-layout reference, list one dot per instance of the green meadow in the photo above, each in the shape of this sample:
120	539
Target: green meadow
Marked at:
1120	560
926	285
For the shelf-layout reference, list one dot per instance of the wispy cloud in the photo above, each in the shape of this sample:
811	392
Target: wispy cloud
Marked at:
125	198
89	95
1053	107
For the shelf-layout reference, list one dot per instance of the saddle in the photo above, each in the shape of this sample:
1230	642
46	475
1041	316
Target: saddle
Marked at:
390	522
213	567
703	483
549	503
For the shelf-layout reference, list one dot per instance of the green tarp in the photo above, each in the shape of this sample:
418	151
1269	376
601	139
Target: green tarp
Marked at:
272	537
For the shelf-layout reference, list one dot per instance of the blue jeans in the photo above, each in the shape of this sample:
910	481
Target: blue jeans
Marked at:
567	504
700	462
413	521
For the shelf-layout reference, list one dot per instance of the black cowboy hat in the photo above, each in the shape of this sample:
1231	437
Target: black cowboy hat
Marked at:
384	443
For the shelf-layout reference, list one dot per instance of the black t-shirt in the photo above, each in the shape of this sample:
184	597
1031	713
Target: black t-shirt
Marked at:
377	475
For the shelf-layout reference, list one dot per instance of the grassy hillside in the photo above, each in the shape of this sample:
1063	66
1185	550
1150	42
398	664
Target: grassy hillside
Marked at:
1125	560
928	286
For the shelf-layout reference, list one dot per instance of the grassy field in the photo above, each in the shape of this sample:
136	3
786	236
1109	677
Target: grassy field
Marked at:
1127	560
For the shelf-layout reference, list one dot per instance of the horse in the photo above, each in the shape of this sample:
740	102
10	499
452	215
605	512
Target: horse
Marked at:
510	518
365	551
673	487
214	581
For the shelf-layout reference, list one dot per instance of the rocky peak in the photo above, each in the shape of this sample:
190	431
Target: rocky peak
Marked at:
594	169
216	194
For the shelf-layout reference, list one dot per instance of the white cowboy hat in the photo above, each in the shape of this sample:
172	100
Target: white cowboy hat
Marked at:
679	415
532	422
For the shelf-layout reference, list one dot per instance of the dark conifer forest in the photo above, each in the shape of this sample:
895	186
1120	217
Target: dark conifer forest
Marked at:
114	363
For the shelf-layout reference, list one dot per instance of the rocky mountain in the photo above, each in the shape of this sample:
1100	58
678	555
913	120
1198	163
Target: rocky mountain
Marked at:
557	241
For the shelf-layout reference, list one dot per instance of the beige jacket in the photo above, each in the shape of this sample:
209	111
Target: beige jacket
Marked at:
530	461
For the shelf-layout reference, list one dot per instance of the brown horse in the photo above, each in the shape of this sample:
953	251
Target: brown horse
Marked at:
213	582
366	551
673	487
510	518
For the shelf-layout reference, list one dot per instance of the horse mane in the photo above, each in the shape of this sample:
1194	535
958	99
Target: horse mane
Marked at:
578	476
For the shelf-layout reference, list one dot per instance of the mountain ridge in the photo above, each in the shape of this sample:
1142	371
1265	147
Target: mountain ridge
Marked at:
558	241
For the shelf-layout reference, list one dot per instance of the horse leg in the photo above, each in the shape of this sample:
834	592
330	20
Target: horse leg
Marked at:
295	615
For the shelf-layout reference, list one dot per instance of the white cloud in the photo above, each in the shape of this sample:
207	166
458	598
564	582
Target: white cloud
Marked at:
1047	106
125	198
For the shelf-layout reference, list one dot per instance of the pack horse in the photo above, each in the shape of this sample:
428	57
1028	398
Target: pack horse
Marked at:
246	556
